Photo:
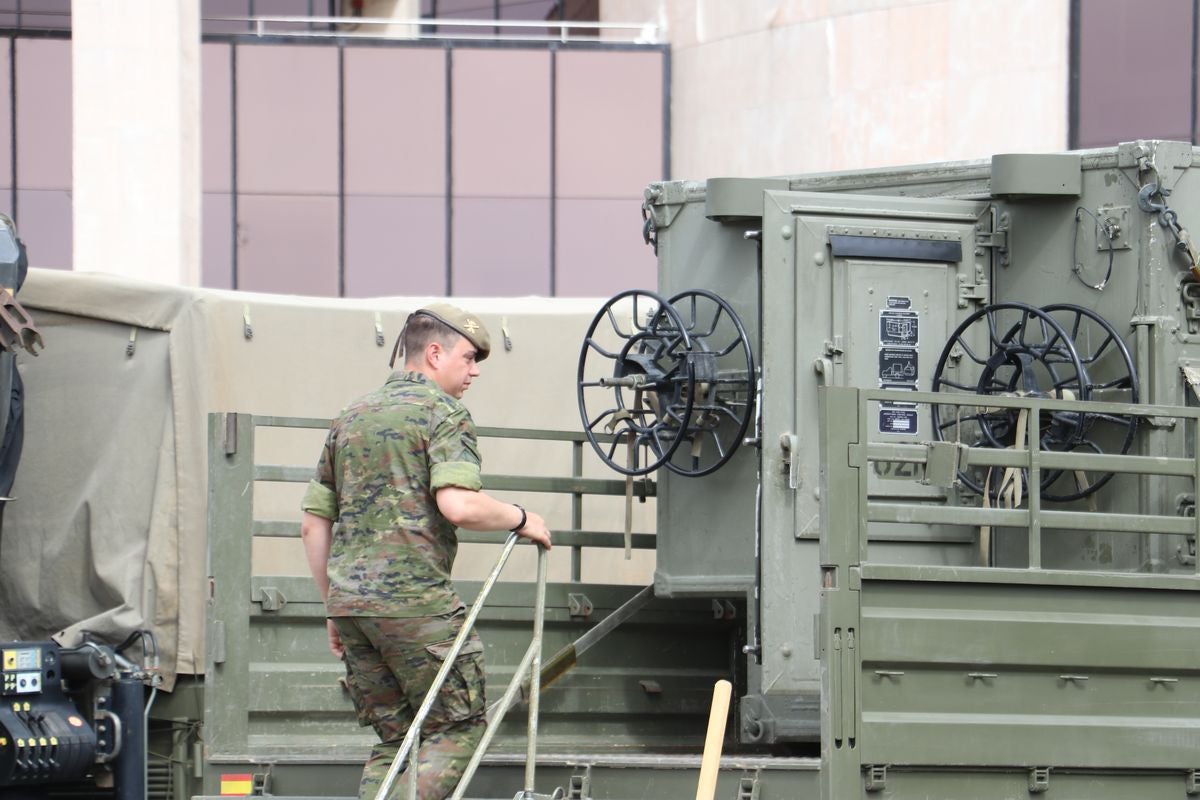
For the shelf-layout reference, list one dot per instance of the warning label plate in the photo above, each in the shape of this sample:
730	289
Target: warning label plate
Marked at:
897	419
900	328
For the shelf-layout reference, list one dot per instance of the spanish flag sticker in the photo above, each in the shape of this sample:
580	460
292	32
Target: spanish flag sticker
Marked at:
238	784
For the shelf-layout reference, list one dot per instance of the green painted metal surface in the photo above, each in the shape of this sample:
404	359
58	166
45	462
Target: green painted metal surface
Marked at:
867	605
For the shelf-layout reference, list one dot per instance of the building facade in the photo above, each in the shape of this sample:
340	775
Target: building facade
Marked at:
344	159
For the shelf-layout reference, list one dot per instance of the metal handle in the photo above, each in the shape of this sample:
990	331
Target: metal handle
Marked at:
408	745
115	730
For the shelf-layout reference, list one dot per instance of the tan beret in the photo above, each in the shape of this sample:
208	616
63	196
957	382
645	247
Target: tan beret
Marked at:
469	325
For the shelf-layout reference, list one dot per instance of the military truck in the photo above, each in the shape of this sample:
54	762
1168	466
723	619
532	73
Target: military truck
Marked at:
921	449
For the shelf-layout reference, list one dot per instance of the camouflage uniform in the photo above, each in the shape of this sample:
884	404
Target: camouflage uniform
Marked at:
390	593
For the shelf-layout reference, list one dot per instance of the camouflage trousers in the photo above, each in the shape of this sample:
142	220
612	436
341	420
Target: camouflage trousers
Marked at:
390	666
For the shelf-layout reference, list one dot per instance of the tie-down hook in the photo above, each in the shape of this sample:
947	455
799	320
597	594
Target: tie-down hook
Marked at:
1148	191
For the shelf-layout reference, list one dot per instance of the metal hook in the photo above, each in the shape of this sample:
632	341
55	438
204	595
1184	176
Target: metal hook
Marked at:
1146	204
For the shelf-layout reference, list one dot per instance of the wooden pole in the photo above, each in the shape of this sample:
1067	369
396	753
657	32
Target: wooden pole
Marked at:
710	762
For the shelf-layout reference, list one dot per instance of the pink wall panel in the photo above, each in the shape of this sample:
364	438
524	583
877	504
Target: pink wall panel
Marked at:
44	224
1124	95
288	244
216	242
610	119
501	119
395	246
395	121
501	248
600	250
5	118
287	119
44	114
216	117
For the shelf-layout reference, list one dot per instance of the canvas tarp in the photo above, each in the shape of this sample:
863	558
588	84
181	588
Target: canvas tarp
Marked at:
107	534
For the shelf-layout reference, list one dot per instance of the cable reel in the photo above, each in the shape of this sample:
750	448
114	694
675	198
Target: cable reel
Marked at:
1061	351
666	382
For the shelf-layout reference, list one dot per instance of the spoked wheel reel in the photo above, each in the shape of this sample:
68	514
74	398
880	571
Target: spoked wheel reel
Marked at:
723	388
1112	378
665	382
1050	353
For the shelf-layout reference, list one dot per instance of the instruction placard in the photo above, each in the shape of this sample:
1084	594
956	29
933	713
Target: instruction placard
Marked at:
896	418
897	365
899	328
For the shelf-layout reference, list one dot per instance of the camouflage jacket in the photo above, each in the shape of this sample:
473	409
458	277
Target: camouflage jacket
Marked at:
385	457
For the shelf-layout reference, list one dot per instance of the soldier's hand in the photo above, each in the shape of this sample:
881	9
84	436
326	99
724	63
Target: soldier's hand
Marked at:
335	640
535	529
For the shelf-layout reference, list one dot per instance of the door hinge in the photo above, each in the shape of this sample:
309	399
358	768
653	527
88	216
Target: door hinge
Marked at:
1039	780
995	239
979	292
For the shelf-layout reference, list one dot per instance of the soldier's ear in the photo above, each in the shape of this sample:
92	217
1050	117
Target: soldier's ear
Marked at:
433	352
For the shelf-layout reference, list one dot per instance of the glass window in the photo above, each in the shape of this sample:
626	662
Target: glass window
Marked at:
501	119
44	114
288	244
44	224
395	106
212	9
395	246
599	249
609	130
287	119
1134	81
501	247
216	117
216	244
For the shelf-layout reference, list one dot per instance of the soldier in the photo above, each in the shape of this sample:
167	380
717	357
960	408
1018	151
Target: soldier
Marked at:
399	473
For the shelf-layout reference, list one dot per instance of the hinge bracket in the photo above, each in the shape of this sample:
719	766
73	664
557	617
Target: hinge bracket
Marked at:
579	787
748	787
1039	780
271	598
978	292
1191	785
876	777
996	239
579	606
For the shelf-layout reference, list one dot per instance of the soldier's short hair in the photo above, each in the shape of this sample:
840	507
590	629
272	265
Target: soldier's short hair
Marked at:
423	329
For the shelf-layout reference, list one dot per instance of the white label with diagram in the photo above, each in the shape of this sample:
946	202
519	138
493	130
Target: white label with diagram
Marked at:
899	328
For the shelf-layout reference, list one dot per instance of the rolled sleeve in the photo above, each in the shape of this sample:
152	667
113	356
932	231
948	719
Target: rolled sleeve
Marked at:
462	474
321	500
454	453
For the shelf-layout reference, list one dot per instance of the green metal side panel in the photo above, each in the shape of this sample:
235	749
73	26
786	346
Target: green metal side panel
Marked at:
985	673
943	682
635	708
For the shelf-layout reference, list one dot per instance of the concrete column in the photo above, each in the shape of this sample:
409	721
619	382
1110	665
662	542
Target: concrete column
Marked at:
136	73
